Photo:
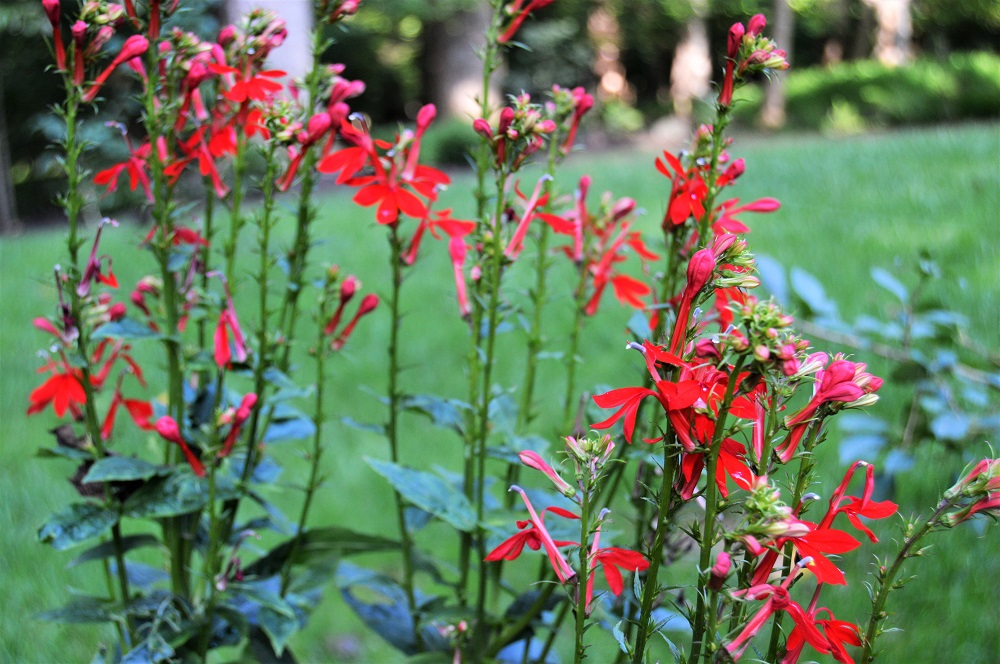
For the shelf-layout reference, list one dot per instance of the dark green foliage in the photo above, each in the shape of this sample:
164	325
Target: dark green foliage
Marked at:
963	86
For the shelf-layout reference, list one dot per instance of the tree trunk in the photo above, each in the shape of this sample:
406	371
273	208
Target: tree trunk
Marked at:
8	208
606	35
893	40
453	71
691	71
772	115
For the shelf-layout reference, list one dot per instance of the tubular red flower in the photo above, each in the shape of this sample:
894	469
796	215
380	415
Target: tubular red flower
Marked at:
241	416
134	46
517	240
535	537
457	249
368	305
534	460
167	427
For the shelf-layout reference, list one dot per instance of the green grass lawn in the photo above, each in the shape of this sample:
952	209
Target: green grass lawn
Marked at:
848	204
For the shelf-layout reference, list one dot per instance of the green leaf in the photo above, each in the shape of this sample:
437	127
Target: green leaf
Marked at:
81	610
316	546
812	294
444	413
638	325
75	523
266	598
362	426
152	650
118	468
179	493
126	328
288	423
428	492
63	452
517	444
278	626
890	283
107	549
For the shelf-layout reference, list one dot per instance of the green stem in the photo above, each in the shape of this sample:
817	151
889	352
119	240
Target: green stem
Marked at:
317	447
473	360
482	419
651	589
582	575
887	578
718	131
703	627
392	426
73	205
236	210
806	463
571	399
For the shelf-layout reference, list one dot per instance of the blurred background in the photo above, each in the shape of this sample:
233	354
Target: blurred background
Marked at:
882	143
857	65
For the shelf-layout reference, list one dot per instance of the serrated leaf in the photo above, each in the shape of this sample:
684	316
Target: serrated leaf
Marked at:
76	523
175	494
107	549
152	650
860	446
262	595
638	325
950	426
517	444
890	283
428	492
117	468
897	461
316	546
126	328
278	627
444	413
811	292
81	610
296	428
619	635
62	452
385	608
363	426
772	277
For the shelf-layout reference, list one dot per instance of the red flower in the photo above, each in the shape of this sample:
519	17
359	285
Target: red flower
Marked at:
610	559
699	273
777	600
688	192
368	304
812	545
139	411
837	632
135	166
167	427
731	462
535	537
856	507
519	11
248	86
241	416
841	382
63	390
133	47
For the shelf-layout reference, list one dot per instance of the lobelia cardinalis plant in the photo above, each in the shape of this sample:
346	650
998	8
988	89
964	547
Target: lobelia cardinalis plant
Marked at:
732	406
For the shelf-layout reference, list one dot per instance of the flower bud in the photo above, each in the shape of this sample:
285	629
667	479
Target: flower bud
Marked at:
720	570
700	270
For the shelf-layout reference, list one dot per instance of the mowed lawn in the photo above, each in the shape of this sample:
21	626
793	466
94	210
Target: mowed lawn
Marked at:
847	204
